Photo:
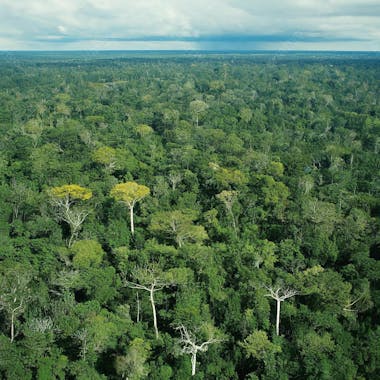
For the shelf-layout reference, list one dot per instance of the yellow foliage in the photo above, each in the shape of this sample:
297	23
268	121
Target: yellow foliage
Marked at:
72	192
129	192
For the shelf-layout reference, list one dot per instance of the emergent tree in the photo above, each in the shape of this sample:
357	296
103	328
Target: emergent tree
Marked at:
189	344
130	193
151	279
280	295
64	198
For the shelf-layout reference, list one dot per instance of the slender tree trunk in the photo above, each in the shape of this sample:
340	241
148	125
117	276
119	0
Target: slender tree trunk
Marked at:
151	297
131	217
71	240
233	221
12	327
15	213
84	349
278	317
138	307
193	363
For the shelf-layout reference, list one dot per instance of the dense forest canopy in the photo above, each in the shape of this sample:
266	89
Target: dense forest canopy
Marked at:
206	216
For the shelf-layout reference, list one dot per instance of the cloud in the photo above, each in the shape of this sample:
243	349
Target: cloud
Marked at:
62	29
83	24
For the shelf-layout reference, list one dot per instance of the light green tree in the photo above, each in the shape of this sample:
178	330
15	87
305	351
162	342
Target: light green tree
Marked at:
179	225
33	129
245	115
259	346
99	331
87	253
196	108
105	155
132	366
144	130
229	197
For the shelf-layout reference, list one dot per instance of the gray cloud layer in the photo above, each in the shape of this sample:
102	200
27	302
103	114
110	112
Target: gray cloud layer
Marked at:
196	24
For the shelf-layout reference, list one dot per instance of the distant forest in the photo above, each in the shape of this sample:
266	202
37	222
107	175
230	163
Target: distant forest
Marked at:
189	216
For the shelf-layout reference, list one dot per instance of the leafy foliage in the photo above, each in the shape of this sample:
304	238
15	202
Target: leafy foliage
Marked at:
71	192
129	192
253	180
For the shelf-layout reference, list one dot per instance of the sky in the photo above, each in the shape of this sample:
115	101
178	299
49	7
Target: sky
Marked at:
347	25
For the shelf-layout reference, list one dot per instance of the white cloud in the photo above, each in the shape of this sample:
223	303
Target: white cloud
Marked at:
91	23
62	29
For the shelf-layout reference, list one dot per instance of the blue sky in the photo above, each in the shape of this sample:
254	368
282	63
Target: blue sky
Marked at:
190	25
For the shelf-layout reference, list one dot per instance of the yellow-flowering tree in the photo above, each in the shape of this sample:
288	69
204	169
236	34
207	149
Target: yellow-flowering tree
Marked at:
129	193
65	201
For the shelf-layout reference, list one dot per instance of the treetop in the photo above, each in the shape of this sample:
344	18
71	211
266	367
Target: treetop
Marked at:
129	192
71	191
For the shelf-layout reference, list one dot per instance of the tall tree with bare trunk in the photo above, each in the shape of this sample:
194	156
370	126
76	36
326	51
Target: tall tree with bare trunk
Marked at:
280	295
190	345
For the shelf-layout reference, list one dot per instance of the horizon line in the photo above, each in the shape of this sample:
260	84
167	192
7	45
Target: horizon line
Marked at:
187	50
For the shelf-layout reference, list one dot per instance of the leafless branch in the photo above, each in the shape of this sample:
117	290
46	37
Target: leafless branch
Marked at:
280	294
